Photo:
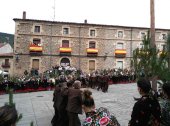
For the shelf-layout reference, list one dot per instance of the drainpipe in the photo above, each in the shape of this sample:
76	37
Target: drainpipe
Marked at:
131	43
79	62
50	47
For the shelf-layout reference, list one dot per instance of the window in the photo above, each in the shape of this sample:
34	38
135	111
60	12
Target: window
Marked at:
92	33
37	29
65	62
119	46
141	45
143	34
6	75
65	31
91	65
6	64
65	43
162	47
6	71
6	61
164	37
35	64
37	41
119	64
120	34
92	44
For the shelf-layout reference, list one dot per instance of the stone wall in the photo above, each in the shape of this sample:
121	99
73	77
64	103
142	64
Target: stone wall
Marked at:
51	36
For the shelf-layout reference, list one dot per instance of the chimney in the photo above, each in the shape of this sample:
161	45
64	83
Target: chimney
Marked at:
85	21
24	15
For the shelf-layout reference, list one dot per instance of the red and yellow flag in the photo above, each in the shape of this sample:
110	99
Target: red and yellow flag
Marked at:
92	50
62	49
120	51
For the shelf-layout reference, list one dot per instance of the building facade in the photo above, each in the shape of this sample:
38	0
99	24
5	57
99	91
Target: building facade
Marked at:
41	44
6	59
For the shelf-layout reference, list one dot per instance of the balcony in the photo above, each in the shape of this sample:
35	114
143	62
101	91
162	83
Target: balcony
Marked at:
92	52
5	65
65	51
120	53
35	49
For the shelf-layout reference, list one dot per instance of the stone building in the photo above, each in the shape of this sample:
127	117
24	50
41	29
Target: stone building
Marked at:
42	44
6	59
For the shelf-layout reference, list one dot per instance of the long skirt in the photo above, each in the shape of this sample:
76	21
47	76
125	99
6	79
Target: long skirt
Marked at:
73	119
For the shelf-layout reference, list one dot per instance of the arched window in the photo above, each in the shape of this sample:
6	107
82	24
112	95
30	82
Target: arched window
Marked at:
65	62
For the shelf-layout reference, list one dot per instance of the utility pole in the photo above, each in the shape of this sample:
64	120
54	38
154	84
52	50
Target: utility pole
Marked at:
51	33
79	66
152	25
54	11
152	31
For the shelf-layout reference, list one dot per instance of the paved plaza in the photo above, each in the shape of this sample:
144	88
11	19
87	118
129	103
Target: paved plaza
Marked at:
38	106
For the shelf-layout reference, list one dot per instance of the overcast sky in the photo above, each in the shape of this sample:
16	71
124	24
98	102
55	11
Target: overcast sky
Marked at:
113	12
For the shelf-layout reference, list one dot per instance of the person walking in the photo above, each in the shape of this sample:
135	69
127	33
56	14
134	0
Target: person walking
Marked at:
60	102
74	105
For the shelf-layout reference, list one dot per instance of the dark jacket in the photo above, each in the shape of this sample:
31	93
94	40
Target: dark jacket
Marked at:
74	101
60	102
57	97
146	112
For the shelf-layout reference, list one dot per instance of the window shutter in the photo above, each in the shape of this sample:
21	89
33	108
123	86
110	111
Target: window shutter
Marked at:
91	65
35	64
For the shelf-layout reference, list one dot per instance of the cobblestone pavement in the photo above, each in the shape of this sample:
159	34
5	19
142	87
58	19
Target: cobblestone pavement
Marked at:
38	106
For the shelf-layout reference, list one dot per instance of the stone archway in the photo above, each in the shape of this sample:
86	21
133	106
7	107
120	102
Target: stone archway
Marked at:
65	62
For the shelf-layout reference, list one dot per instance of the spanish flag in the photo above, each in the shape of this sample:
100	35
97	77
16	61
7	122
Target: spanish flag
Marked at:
92	50
62	49
35	48
120	51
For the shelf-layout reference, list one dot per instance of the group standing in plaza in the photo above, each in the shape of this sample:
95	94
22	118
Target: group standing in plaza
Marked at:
78	101
99	79
147	111
71	98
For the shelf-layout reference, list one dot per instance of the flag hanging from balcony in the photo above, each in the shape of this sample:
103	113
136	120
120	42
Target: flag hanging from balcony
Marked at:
35	48
120	51
92	50
65	49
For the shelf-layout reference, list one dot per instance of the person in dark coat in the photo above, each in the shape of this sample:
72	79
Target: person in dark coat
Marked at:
146	111
60	102
55	105
105	83
74	106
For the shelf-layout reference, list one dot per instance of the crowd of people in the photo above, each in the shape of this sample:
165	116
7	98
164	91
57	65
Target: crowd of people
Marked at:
99	79
70	100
